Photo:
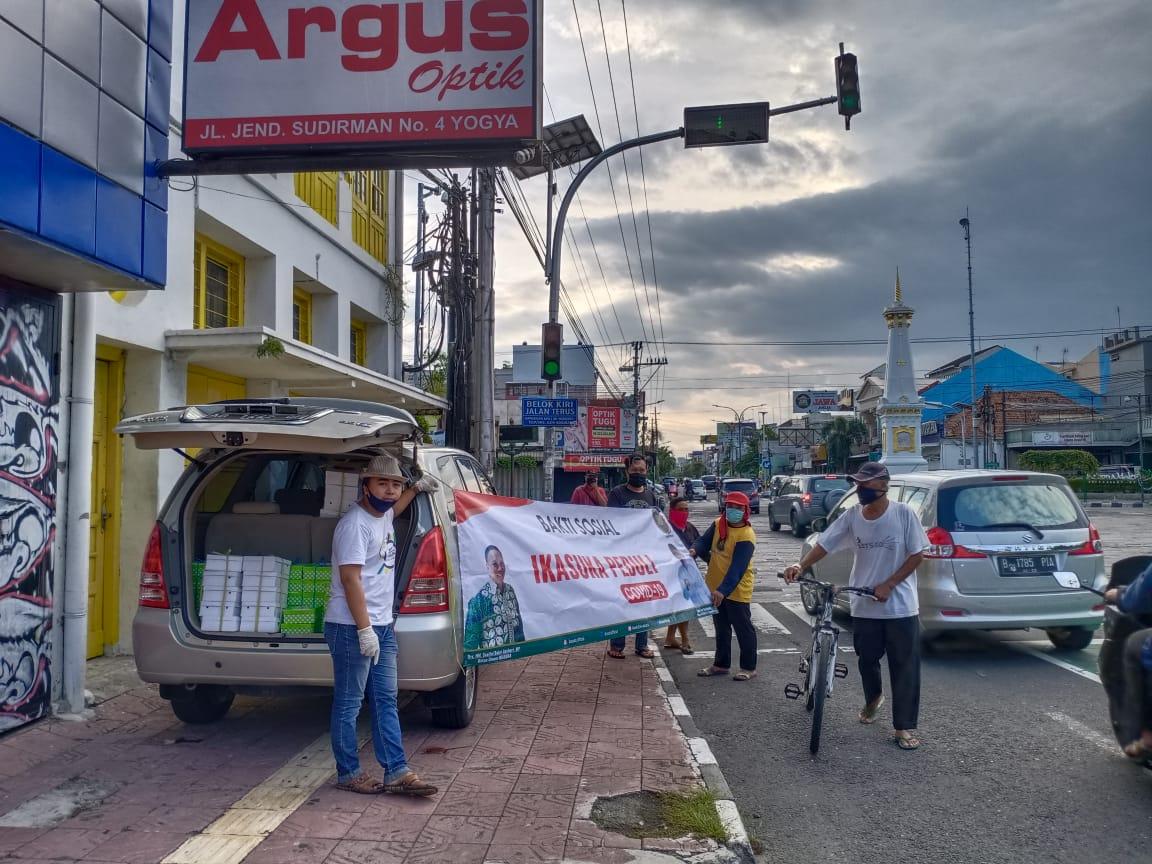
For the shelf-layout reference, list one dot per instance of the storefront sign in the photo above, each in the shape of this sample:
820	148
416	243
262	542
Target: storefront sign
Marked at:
344	75
815	401
591	461
1050	438
603	428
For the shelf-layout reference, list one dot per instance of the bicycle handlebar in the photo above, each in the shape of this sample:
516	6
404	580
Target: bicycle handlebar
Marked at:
848	589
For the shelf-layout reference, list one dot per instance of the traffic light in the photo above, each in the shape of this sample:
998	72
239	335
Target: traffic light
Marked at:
847	87
717	125
551	346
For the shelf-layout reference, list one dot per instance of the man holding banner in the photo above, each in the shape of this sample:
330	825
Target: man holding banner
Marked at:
581	575
634	494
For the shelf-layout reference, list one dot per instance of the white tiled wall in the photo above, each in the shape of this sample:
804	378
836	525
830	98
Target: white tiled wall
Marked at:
74	72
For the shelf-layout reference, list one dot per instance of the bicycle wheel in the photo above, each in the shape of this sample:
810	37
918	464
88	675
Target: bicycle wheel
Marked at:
822	662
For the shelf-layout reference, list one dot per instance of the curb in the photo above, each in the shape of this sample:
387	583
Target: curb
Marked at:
1091	504
709	768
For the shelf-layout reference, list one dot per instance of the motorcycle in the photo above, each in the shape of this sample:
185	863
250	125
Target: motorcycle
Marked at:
1118	626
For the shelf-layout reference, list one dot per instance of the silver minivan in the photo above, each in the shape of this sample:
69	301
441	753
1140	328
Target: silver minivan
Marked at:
270	478
997	539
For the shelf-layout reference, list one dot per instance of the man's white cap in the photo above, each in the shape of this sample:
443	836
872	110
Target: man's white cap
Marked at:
383	466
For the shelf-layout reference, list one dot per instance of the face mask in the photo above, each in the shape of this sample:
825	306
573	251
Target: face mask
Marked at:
380	505
867	496
591	481
678	518
637	479
734	515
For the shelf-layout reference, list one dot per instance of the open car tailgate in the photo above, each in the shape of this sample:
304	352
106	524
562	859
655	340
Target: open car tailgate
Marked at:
320	426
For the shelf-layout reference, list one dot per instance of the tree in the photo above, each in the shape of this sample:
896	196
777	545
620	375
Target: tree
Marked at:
839	437
665	462
695	469
1067	463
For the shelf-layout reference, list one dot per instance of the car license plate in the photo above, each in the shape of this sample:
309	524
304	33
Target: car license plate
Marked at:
1027	565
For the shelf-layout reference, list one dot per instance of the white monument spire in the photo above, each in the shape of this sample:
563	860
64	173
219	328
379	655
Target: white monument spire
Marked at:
900	407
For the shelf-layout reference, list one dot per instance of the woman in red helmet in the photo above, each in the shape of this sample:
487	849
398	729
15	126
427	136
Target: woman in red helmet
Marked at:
727	546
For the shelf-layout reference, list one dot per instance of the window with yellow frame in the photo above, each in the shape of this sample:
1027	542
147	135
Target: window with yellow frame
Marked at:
370	212
302	315
318	190
358	343
218	278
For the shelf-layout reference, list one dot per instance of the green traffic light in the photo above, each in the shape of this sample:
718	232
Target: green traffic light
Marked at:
850	101
720	122
551	367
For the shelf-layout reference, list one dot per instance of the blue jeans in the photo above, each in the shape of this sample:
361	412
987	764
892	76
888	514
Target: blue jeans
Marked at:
641	642
354	675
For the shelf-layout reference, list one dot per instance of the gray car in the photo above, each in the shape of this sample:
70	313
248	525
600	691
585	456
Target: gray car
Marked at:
804	498
997	539
271	479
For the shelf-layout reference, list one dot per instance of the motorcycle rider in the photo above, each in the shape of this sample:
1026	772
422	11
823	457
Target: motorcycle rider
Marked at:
1136	599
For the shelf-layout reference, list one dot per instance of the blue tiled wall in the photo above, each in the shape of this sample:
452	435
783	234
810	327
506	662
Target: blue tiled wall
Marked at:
80	142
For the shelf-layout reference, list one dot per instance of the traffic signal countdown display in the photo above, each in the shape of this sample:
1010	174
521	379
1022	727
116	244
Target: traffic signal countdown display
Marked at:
719	125
551	346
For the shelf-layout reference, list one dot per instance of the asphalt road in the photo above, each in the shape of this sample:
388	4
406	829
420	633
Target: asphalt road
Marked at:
1018	763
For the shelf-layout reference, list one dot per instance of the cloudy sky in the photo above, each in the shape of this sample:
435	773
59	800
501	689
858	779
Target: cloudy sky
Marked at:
1035	115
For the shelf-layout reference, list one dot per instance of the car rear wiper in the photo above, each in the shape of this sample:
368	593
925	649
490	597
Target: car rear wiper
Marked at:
1027	525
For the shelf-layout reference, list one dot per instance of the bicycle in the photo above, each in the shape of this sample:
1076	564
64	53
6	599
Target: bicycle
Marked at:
819	666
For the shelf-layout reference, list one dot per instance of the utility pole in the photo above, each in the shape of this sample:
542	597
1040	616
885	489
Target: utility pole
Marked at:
637	365
967	226
459	295
484	353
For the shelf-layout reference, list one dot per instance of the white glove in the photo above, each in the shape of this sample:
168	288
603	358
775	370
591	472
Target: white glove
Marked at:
369	644
427	483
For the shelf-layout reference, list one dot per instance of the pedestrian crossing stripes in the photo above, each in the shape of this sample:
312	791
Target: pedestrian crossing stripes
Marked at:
766	622
797	609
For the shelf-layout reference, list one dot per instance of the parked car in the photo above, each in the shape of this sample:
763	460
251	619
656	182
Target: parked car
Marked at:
804	498
739	484
271	480
710	481
694	490
997	538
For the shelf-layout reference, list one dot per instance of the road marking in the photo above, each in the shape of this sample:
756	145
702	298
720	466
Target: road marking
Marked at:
708	627
709	655
701	751
1088	734
730	819
678	706
1047	642
1055	661
766	622
663	674
797	609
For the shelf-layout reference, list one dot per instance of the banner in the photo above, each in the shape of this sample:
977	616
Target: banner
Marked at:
539	577
603	428
815	401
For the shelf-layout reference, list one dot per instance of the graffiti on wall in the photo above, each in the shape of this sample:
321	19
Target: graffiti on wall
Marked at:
29	419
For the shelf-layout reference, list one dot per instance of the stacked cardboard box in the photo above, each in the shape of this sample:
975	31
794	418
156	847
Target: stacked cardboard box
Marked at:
298	622
197	581
264	594
341	489
220	593
308	589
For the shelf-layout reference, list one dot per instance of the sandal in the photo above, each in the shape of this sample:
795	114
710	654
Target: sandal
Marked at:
744	676
711	672
868	713
362	784
906	741
615	653
687	649
411	784
1138	750
672	646
646	653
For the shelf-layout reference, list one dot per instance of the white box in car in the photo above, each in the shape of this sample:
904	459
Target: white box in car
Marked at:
270	565
222	617
260	618
217	563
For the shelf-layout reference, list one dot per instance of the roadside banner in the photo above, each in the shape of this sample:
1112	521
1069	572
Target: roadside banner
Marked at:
539	577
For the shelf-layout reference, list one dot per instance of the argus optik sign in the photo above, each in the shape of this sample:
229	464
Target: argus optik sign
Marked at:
283	75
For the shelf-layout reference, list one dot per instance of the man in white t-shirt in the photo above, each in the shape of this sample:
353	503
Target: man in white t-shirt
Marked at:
359	633
888	543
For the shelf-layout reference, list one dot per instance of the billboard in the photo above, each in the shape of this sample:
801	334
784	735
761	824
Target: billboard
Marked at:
815	401
279	77
604	428
596	431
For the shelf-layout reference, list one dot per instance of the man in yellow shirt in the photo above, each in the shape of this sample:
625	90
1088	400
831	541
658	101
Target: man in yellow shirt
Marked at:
727	546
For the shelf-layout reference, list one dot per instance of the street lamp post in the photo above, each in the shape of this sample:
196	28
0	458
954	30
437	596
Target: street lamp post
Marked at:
1139	397
967	226
739	425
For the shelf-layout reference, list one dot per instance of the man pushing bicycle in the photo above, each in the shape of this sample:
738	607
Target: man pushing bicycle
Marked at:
888	543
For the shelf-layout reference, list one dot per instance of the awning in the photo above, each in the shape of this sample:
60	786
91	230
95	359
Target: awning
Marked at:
302	368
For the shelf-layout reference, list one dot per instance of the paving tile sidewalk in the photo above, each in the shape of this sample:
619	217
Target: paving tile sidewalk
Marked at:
552	733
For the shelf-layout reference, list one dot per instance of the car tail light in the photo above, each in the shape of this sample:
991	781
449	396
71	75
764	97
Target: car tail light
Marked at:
806	498
153	591
1092	546
943	546
1009	478
953	613
428	585
1099	607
